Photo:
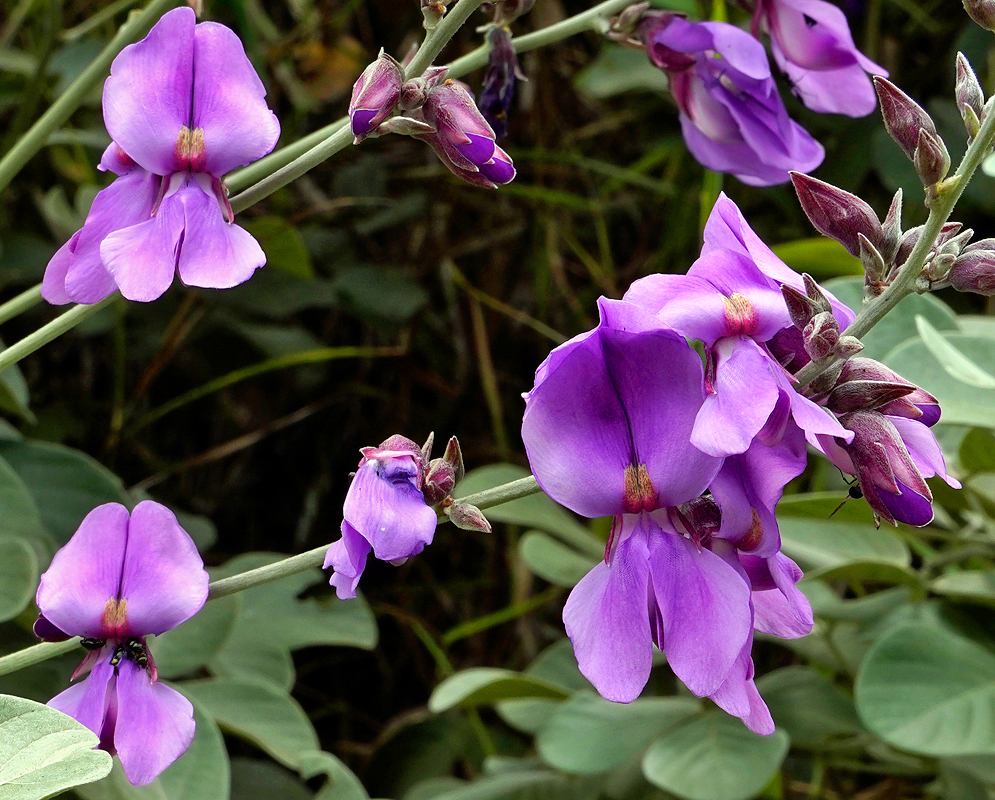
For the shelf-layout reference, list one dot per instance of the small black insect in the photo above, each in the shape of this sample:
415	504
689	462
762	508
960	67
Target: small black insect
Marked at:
809	22
135	650
117	656
853	492
91	644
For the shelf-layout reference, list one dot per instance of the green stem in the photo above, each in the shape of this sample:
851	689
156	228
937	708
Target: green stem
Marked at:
53	330
18	305
904	284
514	611
35	655
271	572
440	35
34	139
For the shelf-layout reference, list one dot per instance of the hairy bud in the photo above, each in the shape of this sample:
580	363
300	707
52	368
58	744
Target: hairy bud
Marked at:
374	96
891	229
821	335
970	97
903	117
836	213
800	308
467	517
848	346
454	457
440	480
911	238
855	395
931	159
974	271
982	12
874	263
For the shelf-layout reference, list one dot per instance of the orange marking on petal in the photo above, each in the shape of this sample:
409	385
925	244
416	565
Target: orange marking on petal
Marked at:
115	617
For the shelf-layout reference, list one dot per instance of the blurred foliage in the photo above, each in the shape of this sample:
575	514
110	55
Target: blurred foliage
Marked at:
397	300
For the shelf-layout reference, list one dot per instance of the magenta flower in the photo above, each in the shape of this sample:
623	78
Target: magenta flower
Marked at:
811	43
183	106
732	117
731	301
384	511
607	429
117	581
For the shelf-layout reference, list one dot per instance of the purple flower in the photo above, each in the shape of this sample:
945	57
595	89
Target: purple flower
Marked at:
811	43
732	117
117	581
463	140
375	96
731	301
183	106
384	510
502	72
607	429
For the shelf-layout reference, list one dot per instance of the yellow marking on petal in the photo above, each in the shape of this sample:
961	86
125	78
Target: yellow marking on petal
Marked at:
115	616
753	536
640	494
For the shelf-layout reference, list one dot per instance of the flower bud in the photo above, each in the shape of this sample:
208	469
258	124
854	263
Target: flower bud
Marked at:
911	238
440	480
454	457
498	90
433	11
915	404
821	335
974	271
874	264
931	159
891	230
836	213
903	116
856	395
848	346
463	139
800	308
374	96
467	517
970	97
982	12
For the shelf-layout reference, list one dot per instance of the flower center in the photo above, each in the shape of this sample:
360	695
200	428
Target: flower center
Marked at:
190	152
640	495
115	617
741	316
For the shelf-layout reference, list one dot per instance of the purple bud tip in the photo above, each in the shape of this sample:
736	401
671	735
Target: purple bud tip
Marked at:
930	414
498	170
908	507
362	121
478	150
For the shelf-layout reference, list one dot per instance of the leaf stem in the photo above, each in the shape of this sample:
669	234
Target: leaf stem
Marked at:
35	654
18	305
54	329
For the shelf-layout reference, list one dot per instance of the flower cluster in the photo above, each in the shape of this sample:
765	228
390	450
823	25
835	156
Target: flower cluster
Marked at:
732	117
183	107
690	460
121	578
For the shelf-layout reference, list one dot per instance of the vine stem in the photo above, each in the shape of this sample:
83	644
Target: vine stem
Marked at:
505	493
35	137
949	193
53	330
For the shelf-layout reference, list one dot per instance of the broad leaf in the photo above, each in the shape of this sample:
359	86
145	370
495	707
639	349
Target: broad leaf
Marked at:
485	685
18	576
198	640
807	705
552	560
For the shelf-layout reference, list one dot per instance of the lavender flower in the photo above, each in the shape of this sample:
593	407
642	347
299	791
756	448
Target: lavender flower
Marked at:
731	301
607	429
811	43
185	106
385	511
117	581
732	117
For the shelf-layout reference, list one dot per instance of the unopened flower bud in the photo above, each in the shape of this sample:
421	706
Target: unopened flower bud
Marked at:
891	230
467	517
374	96
848	346
800	308
454	457
816	295
836	213
874	265
463	139
903	116
433	11
931	159
625	27
917	403
405	126
970	97
982	12
821	335
855	395
498	91
911	238
974	271
440	480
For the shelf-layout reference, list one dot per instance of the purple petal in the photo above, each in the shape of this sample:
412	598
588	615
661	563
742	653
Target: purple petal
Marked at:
705	606
361	119
689	305
229	102
115	160
499	169
607	619
477	150
87	701
847	90
388	510
738	696
734	157
148	94
908	507
127	201
163	580
44	629
215	254
86	573
53	285
809	416
923	448
744	397
813	34
347	557
154	724
142	258
779	607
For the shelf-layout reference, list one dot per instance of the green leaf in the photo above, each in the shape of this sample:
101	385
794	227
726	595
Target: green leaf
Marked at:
192	644
552	560
43	752
929	690
714	757
270	719
255	779
485	685
201	773
821	257
244	659
282	245
821	545
65	483
14	395
956	364
962	403
342	783
524	785
388	294
617	70
819	505
18	576
977	451
534	511
21	516
589	735
808	706
900	324
556	665
974	585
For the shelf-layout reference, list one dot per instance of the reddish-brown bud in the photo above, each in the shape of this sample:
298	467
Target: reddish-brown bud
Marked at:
982	12
903	116
836	213
821	335
931	159
468	518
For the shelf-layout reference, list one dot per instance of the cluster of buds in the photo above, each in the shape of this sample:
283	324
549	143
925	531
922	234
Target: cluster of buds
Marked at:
625	28
887	415
441	477
812	315
435	109
915	132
